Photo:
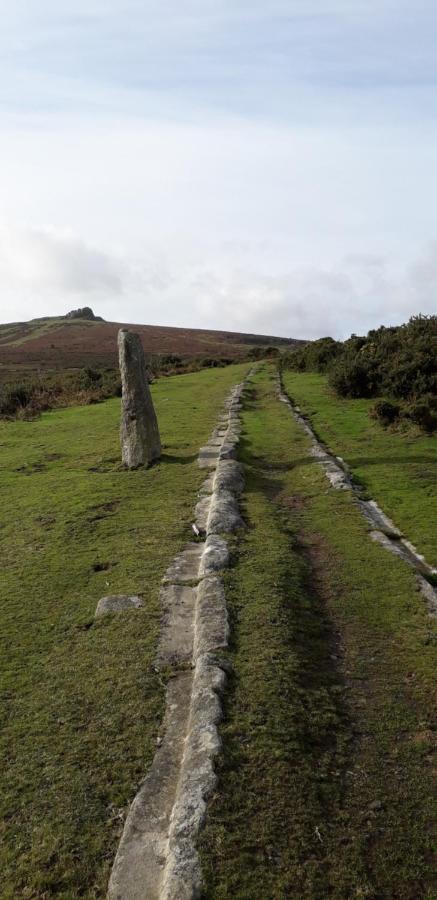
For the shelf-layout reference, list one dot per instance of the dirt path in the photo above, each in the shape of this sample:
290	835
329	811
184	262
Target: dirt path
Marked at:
157	857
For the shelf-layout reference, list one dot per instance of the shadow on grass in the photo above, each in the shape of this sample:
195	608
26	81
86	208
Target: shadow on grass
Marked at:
172	458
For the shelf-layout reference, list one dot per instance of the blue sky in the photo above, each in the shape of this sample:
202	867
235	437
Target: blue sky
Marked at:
262	166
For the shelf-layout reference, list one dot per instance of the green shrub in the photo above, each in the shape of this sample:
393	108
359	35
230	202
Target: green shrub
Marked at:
354	376
315	356
399	362
423	413
14	397
385	412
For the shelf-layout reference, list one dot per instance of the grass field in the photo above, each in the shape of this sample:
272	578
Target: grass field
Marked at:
327	776
80	703
398	469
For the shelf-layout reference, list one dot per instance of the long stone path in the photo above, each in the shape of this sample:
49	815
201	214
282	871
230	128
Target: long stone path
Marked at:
157	857
383	530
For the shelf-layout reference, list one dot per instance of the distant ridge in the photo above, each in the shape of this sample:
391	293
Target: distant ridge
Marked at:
74	341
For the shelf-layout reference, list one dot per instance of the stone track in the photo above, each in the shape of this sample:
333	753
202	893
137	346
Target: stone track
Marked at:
157	857
383	530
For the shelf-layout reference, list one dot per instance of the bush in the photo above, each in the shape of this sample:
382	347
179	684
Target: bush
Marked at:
398	362
423	413
315	356
385	412
15	397
354	376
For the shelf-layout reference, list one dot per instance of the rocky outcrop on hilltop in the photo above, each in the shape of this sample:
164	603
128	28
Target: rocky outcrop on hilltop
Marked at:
84	313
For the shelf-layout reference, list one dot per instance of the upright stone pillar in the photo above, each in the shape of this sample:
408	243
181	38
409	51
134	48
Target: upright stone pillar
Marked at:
139	432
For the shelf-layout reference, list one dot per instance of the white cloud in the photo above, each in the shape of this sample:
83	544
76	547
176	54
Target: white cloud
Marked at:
40	266
253	165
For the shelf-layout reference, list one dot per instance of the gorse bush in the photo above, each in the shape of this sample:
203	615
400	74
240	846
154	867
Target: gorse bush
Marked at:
313	357
398	362
385	412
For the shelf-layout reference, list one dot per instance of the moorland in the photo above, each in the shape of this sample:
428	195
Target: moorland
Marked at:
326	782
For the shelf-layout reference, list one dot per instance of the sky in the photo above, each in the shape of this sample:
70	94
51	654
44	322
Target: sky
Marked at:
251	165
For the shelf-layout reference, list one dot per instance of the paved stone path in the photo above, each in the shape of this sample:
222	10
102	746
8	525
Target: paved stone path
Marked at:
157	857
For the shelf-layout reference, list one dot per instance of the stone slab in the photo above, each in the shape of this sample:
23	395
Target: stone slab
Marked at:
212	629
117	603
185	566
139	864
202	512
175	646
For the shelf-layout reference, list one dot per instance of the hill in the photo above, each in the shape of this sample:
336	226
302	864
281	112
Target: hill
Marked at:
69	342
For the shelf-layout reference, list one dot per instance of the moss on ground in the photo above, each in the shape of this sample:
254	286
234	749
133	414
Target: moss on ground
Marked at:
80	703
326	782
396	468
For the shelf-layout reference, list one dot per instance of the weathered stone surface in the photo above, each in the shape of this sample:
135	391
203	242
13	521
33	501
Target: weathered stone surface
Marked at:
208	457
139	433
139	864
229	476
185	566
215	556
177	624
202	512
229	450
207	486
182	878
224	515
378	518
212	629
117	603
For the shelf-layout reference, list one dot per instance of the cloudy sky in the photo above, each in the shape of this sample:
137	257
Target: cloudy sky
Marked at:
256	165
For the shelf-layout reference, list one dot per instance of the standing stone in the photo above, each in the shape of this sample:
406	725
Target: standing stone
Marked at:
139	432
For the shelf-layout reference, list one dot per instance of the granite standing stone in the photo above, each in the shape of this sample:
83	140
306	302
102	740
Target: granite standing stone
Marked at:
139	432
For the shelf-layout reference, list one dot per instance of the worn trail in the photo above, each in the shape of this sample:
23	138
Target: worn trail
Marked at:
157	857
383	530
326	776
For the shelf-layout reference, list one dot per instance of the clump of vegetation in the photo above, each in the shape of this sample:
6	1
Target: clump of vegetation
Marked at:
262	352
385	412
315	356
33	395
399	363
423	412
30	397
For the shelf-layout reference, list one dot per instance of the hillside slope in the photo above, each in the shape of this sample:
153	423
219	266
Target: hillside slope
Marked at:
59	343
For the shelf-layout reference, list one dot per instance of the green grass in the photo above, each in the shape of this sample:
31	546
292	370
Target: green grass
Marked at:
80	703
398	469
326	776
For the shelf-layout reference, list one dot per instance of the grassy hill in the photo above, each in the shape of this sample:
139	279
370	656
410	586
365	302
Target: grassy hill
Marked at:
67	343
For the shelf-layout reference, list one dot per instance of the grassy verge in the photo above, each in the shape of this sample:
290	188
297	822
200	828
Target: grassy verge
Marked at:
80	703
326	776
398	469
